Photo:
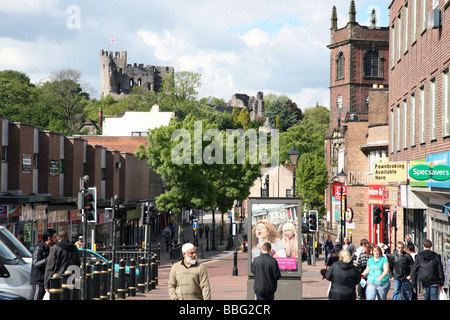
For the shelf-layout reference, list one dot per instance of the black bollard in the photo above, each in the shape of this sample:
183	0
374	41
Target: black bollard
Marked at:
66	291
104	282
157	268
108	282
141	281
235	268
55	287
96	281
121	286
88	282
153	272
132	279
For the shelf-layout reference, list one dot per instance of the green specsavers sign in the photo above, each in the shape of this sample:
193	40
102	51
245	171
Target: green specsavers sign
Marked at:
422	172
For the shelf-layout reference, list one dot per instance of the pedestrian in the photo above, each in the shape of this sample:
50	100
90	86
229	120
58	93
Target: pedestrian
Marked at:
267	273
377	269
62	255
168	241
400	264
334	256
188	279
360	250
79	243
428	269
344	277
408	239
348	246
39	261
411	250
327	248
361	264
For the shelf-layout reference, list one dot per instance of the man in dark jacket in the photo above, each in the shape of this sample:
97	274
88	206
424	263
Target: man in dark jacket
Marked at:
400	264
39	262
428	269
267	273
62	255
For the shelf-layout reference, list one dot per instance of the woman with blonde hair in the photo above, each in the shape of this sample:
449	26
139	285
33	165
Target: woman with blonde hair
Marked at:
264	231
344	277
290	240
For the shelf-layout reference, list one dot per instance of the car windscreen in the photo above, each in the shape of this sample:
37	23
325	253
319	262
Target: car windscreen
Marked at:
13	244
7	257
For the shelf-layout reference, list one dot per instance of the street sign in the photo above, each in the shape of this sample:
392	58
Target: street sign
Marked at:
195	225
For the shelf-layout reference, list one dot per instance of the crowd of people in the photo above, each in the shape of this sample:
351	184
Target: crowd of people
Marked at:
368	272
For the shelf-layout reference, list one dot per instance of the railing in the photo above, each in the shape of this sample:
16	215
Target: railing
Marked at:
358	178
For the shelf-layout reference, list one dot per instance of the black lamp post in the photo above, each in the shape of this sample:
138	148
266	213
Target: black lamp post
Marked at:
293	157
341	176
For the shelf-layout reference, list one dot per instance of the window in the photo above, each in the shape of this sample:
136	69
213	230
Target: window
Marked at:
377	156
445	104
413	120
392	131
413	20
423	15
405	40
4	153
392	49
422	114
398	128
433	108
399	37
405	124
371	64
340	66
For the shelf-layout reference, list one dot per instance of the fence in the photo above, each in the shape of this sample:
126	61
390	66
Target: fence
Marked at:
135	273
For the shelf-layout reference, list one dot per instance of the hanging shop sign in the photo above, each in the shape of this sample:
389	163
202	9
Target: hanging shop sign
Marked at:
433	172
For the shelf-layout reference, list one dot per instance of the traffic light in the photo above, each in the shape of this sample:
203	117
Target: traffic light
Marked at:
376	215
145	219
90	204
313	223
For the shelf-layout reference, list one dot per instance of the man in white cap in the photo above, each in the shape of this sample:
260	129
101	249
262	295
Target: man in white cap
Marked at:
188	278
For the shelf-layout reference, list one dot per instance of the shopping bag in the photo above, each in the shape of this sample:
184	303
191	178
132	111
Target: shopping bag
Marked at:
442	295
46	296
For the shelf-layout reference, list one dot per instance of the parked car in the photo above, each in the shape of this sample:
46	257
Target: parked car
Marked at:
15	245
15	274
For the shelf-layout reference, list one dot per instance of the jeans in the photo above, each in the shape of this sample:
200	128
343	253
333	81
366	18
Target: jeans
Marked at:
431	292
377	290
398	286
265	297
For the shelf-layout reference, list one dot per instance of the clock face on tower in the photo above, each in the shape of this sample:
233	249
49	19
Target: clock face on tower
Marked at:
339	101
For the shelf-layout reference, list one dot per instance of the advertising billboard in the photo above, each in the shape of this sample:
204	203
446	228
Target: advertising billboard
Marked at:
278	221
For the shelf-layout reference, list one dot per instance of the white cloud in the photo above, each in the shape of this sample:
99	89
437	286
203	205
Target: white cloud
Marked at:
255	37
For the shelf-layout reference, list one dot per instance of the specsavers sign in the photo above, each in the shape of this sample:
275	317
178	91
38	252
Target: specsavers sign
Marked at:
390	171
433	172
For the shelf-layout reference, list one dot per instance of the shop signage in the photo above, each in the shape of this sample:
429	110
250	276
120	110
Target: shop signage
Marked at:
440	172
375	191
390	171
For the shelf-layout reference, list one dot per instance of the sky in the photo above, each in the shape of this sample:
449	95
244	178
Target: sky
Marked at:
238	46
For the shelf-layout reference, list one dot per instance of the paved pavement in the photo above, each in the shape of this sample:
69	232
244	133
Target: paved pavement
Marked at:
225	286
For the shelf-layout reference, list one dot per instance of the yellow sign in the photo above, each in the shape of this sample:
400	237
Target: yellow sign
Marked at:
390	171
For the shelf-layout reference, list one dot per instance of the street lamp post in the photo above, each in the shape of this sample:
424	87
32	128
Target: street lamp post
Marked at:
293	157
341	176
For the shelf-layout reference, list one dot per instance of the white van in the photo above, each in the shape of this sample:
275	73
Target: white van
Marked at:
15	245
15	274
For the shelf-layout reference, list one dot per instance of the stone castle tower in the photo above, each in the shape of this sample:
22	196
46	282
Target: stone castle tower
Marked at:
118	77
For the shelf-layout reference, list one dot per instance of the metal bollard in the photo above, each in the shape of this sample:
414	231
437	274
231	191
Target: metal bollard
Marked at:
157	268
88	282
235	269
153	271
55	287
121	286
76	292
141	281
148	277
132	279
104	282
96	281
66	291
108	281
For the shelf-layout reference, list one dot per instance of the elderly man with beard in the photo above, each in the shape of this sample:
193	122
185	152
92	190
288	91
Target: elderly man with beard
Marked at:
188	278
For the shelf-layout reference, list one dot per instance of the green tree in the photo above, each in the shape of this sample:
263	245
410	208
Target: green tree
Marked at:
311	179
17	96
244	118
279	108
181	86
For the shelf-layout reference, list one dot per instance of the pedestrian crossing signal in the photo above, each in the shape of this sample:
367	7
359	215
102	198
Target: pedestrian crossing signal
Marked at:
313	223
377	215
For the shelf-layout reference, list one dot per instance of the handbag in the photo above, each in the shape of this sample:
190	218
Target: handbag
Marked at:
323	272
442	295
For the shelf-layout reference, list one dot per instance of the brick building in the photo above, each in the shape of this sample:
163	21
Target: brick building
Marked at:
358	131
40	182
419	115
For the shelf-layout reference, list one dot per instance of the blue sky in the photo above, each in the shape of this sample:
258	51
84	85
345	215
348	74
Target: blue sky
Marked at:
241	46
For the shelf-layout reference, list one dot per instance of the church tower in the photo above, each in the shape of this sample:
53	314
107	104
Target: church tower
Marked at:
357	65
